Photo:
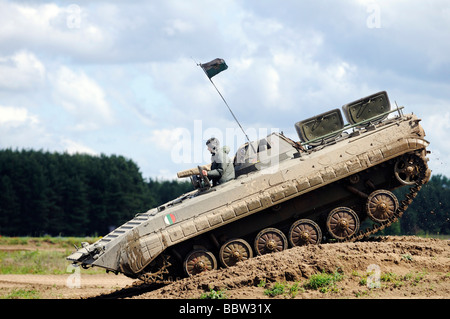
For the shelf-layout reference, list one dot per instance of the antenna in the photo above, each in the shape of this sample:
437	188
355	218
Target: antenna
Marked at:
213	68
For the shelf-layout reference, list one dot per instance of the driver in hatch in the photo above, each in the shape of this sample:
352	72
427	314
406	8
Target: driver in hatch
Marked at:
222	169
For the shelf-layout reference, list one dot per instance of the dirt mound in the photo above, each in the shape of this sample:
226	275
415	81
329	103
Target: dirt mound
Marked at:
399	266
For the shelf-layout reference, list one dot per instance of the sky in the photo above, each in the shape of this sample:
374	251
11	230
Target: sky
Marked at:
122	77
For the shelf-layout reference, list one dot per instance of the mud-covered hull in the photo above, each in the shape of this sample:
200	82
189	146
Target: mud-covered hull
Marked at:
197	230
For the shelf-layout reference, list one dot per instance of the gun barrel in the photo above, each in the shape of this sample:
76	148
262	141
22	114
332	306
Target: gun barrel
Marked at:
192	171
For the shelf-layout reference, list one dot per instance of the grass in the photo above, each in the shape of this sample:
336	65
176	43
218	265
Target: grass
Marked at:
327	283
56	242
324	282
389	279
48	261
22	294
38	262
276	290
398	280
212	294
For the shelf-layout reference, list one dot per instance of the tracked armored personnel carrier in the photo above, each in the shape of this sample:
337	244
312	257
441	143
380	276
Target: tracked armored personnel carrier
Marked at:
286	193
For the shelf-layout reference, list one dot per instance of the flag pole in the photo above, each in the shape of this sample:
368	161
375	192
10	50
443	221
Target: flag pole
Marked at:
223	99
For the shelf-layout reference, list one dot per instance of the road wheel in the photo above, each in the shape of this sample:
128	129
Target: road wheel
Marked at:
381	205
304	232
198	261
342	223
233	251
270	240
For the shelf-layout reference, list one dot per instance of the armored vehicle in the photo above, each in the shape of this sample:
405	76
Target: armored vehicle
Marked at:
286	193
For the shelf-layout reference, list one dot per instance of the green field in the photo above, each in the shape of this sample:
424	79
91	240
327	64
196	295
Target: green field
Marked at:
39	255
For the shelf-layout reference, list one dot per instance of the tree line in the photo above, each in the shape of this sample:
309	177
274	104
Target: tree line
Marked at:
43	193
56	194
429	213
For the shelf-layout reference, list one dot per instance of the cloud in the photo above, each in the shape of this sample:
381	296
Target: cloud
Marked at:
21	128
165	139
105	32
437	128
22	70
177	26
13	117
73	147
118	77
186	88
83	98
51	30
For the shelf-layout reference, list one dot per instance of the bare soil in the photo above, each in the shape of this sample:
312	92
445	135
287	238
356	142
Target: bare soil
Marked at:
409	267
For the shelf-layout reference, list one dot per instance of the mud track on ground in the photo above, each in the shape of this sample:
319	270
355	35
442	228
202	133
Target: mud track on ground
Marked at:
409	267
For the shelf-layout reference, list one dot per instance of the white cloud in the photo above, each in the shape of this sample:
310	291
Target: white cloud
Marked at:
439	125
19	128
22	70
177	26
82	97
51	29
118	76
73	147
187	88
12	117
437	128
165	139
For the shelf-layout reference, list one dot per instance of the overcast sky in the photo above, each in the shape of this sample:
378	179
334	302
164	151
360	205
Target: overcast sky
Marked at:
120	77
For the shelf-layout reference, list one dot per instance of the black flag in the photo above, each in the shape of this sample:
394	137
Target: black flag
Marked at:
214	67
